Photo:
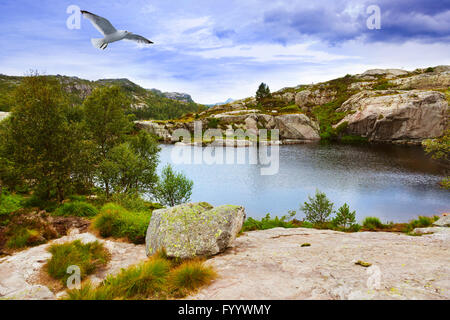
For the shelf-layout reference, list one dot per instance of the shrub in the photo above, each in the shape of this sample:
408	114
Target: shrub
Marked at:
76	209
344	217
115	221
213	123
421	222
318	209
268	223
290	109
10	203
24	237
383	84
191	275
132	201
88	257
372	223
36	202
173	187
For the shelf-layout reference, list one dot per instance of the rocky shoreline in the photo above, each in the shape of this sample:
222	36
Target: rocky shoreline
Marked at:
386	106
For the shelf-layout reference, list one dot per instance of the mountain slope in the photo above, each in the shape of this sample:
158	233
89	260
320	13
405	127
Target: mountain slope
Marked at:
146	104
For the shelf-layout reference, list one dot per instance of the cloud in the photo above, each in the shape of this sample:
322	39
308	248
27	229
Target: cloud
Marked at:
338	21
222	49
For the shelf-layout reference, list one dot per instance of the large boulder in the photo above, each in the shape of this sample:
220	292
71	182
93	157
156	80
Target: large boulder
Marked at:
396	116
443	221
193	229
297	126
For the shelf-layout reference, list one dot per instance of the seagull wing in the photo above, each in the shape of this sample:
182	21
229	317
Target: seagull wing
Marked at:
137	38
101	24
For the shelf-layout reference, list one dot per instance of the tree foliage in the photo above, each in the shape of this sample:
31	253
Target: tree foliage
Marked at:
344	217
318	209
263	92
173	188
38	140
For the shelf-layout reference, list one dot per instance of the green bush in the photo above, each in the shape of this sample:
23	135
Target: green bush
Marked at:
132	201
76	209
344	217
24	237
268	223
318	209
115	221
291	108
88	257
10	203
421	222
213	123
36	202
372	223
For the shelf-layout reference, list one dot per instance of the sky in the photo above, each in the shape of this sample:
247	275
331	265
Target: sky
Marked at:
220	49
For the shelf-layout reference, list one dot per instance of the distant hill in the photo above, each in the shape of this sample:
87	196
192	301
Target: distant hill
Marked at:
146	104
221	103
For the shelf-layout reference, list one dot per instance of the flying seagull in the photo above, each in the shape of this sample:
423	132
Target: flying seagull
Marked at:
111	34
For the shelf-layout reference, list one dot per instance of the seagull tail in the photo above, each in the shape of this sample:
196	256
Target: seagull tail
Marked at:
98	43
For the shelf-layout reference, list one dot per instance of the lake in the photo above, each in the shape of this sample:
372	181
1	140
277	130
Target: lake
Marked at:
394	183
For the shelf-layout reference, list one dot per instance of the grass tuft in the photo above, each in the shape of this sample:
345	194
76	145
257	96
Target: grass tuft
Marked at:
88	257
191	275
157	278
115	221
76	209
372	223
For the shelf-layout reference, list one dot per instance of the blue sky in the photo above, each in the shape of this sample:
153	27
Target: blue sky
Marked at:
218	49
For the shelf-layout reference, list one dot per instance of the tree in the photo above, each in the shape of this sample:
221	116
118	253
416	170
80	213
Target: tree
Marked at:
108	126
131	166
344	217
439	149
173	188
38	141
262	93
318	209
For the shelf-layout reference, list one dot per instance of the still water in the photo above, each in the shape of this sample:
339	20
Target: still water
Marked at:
394	183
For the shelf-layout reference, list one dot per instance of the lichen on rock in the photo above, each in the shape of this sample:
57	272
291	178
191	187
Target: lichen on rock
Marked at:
194	229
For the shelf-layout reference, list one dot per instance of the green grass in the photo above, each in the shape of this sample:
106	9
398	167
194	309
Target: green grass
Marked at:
88	257
157	278
118	222
24	237
266	223
10	203
372	223
421	222
76	209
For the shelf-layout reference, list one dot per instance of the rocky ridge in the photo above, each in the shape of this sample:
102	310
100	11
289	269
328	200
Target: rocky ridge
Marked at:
379	105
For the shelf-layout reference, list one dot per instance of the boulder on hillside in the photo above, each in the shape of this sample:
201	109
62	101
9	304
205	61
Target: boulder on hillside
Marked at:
307	99
297	126
395	116
193	229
